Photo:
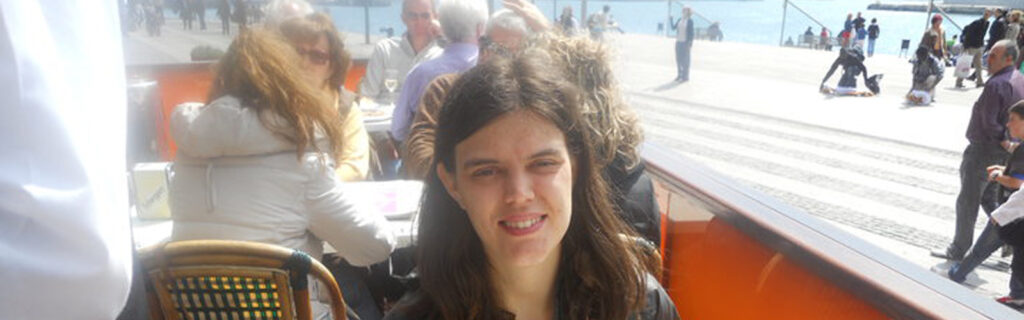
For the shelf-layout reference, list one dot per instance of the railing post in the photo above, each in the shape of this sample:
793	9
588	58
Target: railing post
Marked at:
928	17
366	13
782	34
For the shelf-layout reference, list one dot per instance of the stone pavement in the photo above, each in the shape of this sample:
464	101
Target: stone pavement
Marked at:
873	166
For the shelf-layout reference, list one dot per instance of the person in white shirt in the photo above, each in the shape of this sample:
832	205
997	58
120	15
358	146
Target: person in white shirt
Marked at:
65	239
393	57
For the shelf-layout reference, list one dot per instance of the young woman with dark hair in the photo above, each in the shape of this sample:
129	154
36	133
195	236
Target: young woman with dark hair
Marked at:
516	220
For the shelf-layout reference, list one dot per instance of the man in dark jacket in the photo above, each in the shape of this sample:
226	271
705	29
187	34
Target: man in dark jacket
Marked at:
974	40
998	30
684	42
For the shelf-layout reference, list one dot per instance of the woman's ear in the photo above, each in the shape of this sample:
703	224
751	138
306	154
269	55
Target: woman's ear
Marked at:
448	180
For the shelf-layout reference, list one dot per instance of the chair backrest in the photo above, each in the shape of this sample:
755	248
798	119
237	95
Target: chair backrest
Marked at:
905	44
222	279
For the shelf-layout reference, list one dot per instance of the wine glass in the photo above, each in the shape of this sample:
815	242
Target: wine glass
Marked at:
391	83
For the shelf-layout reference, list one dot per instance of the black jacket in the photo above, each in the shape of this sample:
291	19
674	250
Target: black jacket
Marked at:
974	33
996	33
658	306
634	198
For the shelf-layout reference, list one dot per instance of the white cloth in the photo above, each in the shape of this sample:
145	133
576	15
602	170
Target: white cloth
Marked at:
235	179
65	239
392	54
1011	210
681	29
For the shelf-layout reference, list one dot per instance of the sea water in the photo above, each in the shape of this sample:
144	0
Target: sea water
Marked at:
743	21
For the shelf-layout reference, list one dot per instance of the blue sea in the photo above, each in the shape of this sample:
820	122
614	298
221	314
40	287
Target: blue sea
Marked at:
742	21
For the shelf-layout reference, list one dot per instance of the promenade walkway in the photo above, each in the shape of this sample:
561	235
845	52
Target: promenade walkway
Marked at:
873	166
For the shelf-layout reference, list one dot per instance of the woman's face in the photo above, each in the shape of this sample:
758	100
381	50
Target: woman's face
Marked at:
316	60
514	179
1016	125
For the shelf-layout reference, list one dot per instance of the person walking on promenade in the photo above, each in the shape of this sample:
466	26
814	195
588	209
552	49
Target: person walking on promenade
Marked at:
567	22
684	43
974	40
998	30
224	12
989	143
844	36
1004	181
873	32
199	7
241	14
862	35
826	39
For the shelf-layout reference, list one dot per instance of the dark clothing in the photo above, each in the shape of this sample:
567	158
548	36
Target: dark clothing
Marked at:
989	115
973	177
927	67
858	22
985	131
659	306
683	50
634	196
851	60
683	61
996	33
974	33
873	31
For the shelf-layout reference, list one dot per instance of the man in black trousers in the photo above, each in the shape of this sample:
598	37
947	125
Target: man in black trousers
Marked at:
684	42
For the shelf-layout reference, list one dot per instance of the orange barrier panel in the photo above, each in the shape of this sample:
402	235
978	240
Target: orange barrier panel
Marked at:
714	271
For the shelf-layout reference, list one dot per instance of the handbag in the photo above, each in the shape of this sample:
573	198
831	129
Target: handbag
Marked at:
963	66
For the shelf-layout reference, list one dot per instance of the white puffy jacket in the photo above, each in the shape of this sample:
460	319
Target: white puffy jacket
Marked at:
235	179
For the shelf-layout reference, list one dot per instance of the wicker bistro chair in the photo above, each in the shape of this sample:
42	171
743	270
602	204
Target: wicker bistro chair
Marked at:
220	279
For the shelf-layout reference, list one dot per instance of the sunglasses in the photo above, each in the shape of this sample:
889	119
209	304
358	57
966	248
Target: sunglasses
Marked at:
317	57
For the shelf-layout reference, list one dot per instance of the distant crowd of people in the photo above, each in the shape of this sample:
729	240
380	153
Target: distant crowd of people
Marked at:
149	14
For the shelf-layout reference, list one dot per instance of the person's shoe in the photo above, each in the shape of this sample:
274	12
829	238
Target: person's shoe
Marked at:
945	253
951	274
959	86
1011	302
979	85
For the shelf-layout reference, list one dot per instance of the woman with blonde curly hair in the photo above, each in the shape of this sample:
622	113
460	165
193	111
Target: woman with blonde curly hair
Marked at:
256	163
614	129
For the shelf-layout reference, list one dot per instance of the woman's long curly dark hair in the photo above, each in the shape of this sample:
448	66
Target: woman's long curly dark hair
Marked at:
599	277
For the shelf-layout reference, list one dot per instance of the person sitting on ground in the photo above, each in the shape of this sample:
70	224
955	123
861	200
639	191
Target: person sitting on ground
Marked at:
256	163
852	61
927	72
518	223
326	63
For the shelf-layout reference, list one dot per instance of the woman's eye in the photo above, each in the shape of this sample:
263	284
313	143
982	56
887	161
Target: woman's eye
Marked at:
544	164
484	172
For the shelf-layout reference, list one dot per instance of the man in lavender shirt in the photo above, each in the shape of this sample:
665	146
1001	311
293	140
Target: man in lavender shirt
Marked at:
462	23
989	142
